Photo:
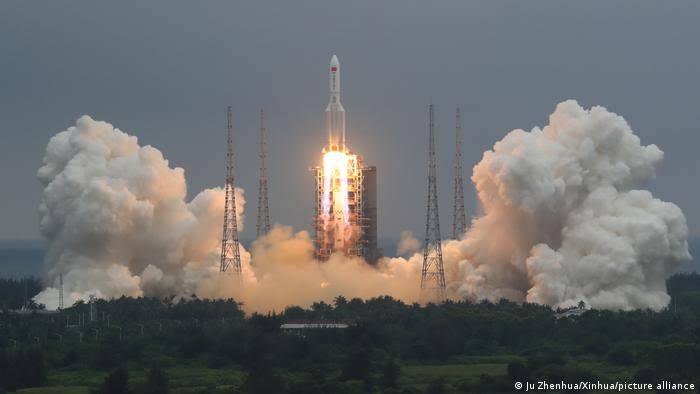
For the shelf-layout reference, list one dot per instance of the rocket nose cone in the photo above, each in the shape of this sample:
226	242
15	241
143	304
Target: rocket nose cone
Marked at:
334	61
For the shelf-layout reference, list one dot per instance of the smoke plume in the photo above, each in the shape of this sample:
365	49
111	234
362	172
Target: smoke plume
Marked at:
408	244
117	223
562	223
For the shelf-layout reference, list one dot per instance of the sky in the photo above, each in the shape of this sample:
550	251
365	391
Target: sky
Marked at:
165	71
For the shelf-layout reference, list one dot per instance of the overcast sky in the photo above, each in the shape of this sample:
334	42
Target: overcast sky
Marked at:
165	72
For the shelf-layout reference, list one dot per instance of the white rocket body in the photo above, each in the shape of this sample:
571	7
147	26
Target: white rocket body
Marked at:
335	113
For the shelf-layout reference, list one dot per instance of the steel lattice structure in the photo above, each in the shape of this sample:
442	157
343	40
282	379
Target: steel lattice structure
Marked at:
325	235
263	223
432	283
60	291
459	217
230	248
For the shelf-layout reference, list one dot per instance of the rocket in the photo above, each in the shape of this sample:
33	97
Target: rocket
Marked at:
335	113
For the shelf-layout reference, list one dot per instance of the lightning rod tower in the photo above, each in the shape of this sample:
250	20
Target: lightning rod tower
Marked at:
93	307
432	283
459	219
60	291
263	224
230	251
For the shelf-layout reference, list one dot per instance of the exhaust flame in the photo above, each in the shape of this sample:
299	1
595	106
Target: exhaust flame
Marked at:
335	182
339	194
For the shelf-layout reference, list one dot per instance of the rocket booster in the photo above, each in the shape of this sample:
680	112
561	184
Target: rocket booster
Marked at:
335	113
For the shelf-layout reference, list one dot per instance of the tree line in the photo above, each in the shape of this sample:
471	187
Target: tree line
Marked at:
384	336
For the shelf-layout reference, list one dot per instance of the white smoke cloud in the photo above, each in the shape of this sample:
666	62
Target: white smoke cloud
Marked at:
408	244
283	272
116	218
561	223
117	223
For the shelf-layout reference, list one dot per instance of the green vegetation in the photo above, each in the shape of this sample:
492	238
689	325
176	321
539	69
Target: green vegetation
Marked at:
16	293
149	345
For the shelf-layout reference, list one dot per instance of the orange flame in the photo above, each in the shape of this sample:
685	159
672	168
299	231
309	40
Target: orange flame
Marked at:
335	182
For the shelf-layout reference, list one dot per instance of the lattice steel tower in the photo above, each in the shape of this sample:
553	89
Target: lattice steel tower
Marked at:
60	291
230	250
432	283
459	218
93	308
263	224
